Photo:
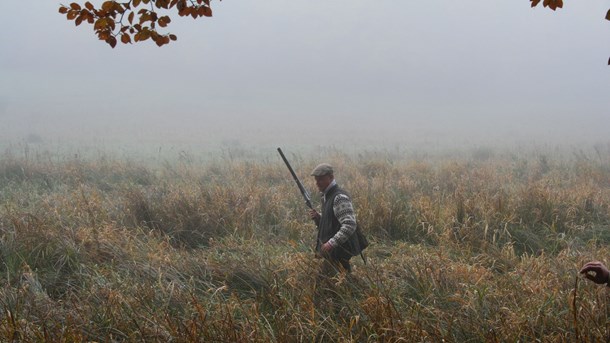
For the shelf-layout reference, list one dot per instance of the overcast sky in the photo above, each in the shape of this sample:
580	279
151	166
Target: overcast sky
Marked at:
291	72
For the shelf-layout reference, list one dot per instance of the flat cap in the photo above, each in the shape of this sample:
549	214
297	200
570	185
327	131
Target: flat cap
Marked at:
322	169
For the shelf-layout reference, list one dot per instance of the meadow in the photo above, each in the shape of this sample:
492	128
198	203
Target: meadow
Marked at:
478	246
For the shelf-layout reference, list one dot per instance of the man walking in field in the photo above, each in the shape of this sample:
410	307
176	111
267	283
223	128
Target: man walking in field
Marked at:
337	240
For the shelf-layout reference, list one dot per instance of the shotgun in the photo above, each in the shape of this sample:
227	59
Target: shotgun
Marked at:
304	192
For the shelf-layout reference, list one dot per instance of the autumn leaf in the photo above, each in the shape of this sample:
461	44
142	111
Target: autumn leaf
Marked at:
608	15
100	24
125	39
108	6
103	35
111	41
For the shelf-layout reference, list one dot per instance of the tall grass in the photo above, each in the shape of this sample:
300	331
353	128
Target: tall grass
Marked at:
480	247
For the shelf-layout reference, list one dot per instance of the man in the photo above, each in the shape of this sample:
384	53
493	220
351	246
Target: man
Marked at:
337	241
596	272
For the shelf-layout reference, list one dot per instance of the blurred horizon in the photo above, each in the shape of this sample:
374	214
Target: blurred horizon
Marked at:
423	76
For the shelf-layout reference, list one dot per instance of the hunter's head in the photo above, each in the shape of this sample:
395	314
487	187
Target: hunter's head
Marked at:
324	175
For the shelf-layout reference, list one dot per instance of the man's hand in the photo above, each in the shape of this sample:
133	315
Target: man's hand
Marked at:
313	214
326	248
596	272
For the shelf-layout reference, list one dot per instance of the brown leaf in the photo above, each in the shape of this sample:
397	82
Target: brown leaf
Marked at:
71	15
144	18
100	24
173	37
78	20
108	6
535	2
130	17
144	35
185	11
125	39
89	6
608	15
75	6
111	41
63	10
136	3
207	12
119	7
103	35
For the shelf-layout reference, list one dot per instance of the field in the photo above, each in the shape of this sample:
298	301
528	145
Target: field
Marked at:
478	246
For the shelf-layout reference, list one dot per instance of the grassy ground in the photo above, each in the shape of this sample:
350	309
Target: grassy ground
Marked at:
481	247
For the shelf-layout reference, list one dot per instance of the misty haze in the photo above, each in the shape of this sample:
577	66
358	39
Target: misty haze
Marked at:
143	197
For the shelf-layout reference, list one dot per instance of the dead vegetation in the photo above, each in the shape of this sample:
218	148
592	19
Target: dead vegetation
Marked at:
479	248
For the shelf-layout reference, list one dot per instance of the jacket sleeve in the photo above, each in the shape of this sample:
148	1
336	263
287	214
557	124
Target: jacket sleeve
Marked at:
344	211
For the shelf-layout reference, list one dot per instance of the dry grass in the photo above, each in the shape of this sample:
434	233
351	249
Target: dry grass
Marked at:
472	248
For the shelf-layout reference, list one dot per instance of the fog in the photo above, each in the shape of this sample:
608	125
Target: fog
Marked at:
307	74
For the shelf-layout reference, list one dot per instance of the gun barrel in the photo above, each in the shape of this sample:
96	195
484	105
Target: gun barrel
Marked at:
296	179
